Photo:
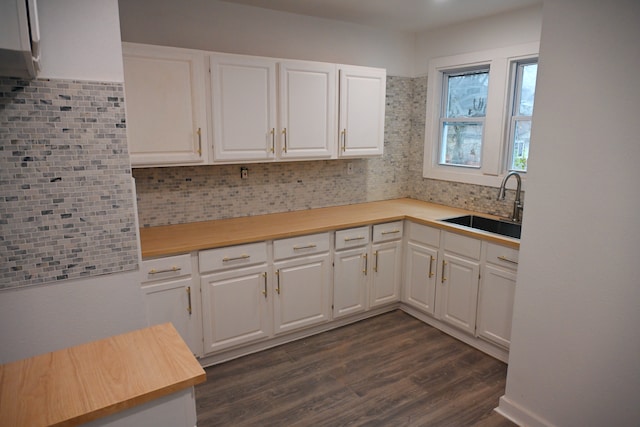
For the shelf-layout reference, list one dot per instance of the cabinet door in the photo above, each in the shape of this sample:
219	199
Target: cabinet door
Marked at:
495	304
362	109
386	273
173	301
350	282
307	110
234	308
421	263
166	109
302	293
244	107
458	292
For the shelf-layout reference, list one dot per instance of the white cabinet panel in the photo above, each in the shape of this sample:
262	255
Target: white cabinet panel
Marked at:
302	292
307	95
387	231
166	107
244	107
235	309
353	237
386	277
300	246
421	263
495	305
350	282
362	111
458	292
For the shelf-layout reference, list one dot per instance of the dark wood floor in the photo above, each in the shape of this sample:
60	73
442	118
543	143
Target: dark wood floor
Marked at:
390	370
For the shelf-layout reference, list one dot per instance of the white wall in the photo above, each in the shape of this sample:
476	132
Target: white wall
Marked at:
575	353
224	27
505	29
80	40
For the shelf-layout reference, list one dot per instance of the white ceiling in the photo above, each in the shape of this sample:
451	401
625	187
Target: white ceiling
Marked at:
399	15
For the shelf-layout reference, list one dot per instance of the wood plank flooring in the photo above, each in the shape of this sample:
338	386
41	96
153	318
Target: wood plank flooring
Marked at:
390	370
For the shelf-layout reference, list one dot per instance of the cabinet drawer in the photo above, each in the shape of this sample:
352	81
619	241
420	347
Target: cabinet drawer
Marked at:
233	256
423	234
302	245
387	231
352	237
462	245
502	255
166	268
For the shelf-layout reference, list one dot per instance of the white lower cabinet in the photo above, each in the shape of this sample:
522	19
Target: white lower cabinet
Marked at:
235	307
170	296
421	267
350	281
386	273
302	292
497	291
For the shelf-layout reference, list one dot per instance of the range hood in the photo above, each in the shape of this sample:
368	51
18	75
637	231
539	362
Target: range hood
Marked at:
19	38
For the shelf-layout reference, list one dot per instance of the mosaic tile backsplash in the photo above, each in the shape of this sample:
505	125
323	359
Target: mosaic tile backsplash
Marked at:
189	194
67	206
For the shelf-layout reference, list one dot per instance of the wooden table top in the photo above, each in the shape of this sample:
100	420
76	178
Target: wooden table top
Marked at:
184	238
89	381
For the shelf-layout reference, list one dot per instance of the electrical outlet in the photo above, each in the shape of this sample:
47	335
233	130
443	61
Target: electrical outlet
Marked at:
349	168
244	173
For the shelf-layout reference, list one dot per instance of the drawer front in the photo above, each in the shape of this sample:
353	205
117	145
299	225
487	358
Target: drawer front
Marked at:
233	256
353	237
502	255
387	231
166	268
462	245
302	245
423	234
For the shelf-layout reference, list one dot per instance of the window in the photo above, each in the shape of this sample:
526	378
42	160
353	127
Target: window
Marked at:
524	90
462	118
479	108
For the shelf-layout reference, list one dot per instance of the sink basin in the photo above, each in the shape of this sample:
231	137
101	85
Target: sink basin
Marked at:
497	226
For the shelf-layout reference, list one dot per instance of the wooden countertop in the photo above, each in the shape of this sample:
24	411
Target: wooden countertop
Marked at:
89	381
185	238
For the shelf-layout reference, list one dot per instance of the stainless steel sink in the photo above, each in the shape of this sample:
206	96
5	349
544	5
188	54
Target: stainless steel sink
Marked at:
497	226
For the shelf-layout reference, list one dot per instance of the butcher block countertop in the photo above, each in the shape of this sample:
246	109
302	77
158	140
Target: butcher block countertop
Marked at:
184	238
89	381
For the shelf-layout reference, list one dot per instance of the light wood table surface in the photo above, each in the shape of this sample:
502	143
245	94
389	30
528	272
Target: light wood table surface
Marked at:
185	238
89	381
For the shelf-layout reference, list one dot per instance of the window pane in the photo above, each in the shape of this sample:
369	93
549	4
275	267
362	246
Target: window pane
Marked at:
522	134
467	94
462	144
528	74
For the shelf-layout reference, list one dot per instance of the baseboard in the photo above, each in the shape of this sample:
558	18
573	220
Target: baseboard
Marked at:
519	415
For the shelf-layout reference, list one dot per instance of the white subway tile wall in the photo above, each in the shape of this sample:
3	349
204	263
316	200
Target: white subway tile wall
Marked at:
67	206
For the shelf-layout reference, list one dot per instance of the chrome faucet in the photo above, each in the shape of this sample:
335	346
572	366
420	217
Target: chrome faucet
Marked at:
517	204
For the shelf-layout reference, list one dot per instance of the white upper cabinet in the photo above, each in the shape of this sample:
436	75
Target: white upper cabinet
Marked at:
259	115
166	105
307	110
244	108
362	111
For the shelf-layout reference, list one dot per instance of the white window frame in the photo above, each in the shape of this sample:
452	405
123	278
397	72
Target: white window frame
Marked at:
495	149
516	89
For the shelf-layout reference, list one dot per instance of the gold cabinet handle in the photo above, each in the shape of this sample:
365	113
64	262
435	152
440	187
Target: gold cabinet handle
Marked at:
199	132
366	264
390	232
444	279
264	292
298	248
168	270
343	135
189	298
504	258
284	147
273	140
244	256
278	282
349	239
431	266
375	264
